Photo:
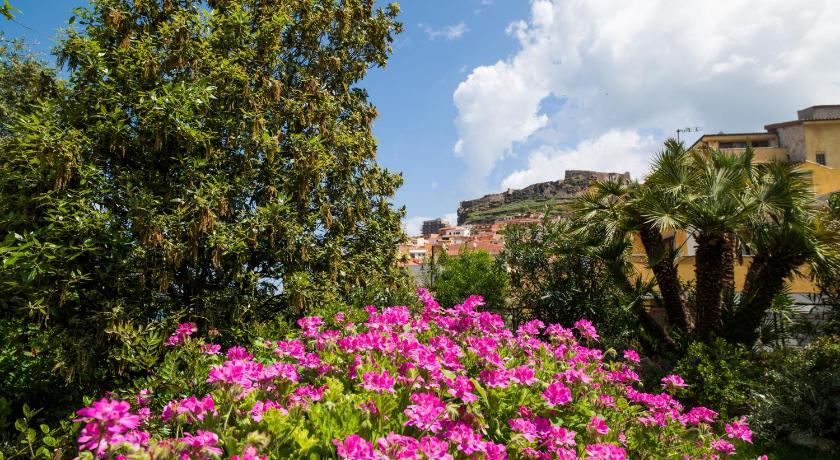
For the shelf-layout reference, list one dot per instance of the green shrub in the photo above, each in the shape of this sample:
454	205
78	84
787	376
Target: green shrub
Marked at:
719	375
801	392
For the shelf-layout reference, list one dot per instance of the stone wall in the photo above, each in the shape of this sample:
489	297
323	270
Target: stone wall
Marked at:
793	137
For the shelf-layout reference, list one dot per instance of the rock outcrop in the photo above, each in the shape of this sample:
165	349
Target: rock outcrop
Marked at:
561	191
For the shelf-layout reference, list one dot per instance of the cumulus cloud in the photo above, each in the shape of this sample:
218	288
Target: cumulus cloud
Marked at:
452	32
589	72
616	151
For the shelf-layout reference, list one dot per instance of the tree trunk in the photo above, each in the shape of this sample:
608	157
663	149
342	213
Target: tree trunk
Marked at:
646	319
661	260
765	279
728	263
710	272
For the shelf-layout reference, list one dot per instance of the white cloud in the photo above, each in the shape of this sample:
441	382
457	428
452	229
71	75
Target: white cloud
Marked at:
643	66
452	32
625	148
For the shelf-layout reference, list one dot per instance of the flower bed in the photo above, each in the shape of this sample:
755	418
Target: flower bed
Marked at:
438	384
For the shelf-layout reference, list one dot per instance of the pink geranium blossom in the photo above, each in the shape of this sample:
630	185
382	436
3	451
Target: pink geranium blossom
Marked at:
426	413
106	421
380	382
433	448
598	426
354	448
605	452
673	382
739	430
557	394
632	356
183	331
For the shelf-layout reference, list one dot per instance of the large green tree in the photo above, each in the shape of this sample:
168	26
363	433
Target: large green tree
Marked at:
209	161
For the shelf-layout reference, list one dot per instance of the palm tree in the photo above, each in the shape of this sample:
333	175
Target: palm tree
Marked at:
706	198
611	210
785	232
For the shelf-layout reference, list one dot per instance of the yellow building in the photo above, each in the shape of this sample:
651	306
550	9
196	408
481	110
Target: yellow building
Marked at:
812	140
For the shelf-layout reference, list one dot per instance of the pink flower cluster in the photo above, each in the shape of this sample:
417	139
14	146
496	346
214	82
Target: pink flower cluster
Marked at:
438	383
183	331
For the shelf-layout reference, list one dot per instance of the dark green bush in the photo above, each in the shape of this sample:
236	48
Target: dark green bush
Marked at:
720	375
800	392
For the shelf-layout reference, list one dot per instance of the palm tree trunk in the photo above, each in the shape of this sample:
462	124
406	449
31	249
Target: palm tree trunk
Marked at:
710	272
765	279
661	260
728	261
646	319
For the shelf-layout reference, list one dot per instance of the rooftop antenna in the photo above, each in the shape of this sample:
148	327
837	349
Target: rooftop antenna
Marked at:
690	129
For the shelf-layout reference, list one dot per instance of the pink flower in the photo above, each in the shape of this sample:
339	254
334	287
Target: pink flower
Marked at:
239	353
586	329
524	375
557	394
378	382
462	388
426	413
724	447
142	397
632	356
183	331
310	325
598	425
211	348
192	408
105	423
495	378
201	445
495	451
398	447
699	414
525	427
435	449
739	430
673	382
354	448
605	452
250	453
467	440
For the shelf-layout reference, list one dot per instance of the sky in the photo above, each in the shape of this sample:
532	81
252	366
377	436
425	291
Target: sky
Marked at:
484	95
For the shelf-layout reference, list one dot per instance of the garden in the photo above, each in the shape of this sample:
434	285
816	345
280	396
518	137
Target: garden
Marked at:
198	261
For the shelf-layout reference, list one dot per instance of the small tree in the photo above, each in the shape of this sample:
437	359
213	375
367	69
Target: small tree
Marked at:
470	272
556	277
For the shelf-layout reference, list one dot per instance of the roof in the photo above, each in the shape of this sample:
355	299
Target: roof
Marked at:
785	124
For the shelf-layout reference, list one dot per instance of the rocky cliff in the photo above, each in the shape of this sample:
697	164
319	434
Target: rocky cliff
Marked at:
532	198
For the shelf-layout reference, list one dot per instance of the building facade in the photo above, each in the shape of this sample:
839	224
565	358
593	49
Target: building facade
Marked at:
812	141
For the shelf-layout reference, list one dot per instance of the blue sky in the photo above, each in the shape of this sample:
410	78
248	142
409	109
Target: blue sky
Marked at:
482	95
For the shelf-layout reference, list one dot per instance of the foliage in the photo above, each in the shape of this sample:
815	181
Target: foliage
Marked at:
453	278
555	277
720	374
209	161
801	392
392	384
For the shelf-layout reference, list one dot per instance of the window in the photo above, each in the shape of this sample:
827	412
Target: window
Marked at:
821	158
744	144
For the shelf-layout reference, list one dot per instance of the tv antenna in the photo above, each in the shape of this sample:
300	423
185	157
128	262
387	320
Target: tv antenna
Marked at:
690	129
